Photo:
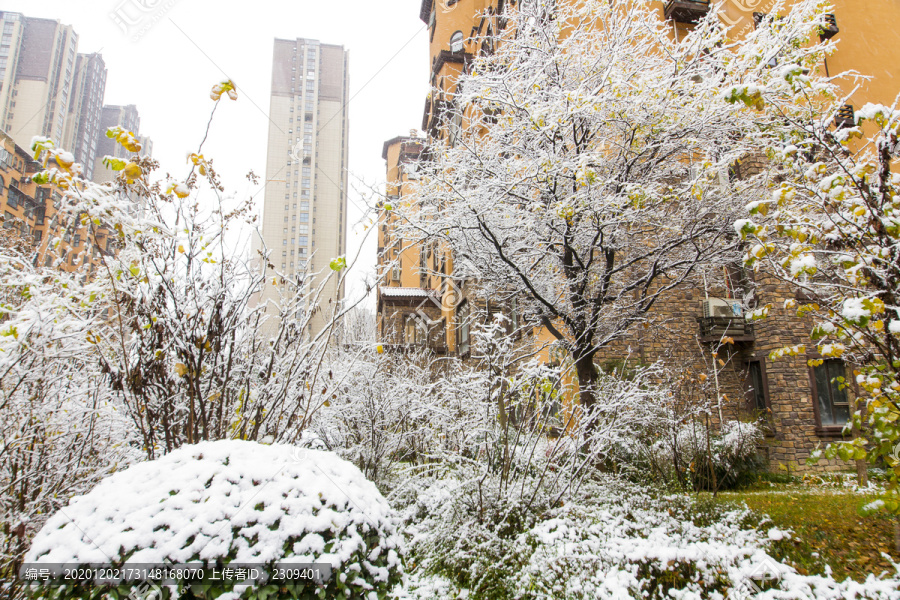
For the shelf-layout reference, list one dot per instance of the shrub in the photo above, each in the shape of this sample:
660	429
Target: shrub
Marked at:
692	455
232	503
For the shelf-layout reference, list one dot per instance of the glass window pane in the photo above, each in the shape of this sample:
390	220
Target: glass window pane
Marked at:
756	386
839	400
822	388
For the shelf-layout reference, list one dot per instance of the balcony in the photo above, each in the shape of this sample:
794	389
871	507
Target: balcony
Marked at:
846	117
830	29
713	329
435	348
686	11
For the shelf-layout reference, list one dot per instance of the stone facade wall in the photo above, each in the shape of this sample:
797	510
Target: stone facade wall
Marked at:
673	337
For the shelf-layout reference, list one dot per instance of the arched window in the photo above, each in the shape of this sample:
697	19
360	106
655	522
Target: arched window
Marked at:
456	42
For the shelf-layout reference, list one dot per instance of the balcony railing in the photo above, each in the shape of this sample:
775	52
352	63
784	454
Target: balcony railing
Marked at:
846	117
436	348
686	11
830	29
713	329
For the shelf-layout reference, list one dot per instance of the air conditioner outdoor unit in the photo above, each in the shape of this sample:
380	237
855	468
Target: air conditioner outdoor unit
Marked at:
731	313
719	307
395	274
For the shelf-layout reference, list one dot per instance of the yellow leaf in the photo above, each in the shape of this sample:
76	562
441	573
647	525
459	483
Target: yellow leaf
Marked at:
132	171
181	369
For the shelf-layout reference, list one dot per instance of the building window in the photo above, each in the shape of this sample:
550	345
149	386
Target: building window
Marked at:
462	328
456	42
757	386
409	331
830	393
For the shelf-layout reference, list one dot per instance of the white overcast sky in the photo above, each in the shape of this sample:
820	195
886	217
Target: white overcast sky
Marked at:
176	50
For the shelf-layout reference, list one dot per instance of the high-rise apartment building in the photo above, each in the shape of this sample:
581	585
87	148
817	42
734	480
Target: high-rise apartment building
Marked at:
127	118
12	29
83	121
39	80
48	89
304	223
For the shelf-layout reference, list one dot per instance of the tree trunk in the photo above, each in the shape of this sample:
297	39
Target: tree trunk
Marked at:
587	380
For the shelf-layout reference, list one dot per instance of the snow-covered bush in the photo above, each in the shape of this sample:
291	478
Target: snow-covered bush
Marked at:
153	340
61	431
617	541
520	453
692	453
380	417
233	502
715	459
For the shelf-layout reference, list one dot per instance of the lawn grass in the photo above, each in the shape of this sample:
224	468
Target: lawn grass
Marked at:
827	528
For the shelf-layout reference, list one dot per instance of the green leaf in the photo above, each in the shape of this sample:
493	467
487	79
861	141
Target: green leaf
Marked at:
114	163
338	264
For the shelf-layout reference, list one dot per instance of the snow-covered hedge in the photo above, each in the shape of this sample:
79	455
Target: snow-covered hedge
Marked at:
234	502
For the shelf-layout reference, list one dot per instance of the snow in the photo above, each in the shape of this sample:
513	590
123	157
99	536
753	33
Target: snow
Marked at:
805	263
40	140
211	499
622	545
853	309
740	224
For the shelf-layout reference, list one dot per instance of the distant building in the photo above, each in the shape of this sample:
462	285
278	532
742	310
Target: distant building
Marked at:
37	67
304	222
126	117
48	89
83	121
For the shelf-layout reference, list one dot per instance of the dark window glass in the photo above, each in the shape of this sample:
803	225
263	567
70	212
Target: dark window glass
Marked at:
834	408
462	316
757	387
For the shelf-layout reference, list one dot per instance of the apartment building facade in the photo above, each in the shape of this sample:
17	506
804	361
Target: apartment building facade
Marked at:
37	91
127	117
48	89
30	211
83	130
304	220
798	405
